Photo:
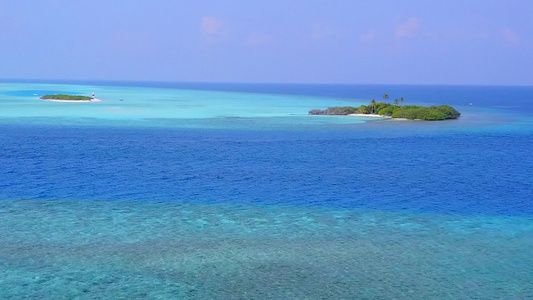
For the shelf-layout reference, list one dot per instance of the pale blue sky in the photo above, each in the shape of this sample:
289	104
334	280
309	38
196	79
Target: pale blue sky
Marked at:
311	41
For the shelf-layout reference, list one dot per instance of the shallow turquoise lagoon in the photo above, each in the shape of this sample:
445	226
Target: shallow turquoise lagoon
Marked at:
92	249
132	103
195	191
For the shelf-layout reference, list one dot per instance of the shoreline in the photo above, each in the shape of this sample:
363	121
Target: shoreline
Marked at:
370	116
71	101
383	117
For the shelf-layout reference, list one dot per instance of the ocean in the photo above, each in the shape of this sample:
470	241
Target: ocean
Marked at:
232	191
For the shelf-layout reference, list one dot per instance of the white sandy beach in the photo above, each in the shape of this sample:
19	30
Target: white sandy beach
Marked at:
370	116
379	116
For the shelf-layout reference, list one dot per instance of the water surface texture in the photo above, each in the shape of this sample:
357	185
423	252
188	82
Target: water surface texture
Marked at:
194	191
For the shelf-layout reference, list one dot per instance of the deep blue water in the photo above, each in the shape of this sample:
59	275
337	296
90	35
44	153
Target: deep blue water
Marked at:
449	173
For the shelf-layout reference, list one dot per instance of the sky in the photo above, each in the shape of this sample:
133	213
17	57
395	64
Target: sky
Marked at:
472	42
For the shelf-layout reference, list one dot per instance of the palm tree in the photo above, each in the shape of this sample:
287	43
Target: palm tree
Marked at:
396	102
401	100
373	104
385	96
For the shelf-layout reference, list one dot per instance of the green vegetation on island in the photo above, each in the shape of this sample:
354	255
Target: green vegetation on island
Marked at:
65	97
394	110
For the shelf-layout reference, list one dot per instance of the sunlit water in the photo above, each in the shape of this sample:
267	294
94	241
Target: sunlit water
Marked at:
233	191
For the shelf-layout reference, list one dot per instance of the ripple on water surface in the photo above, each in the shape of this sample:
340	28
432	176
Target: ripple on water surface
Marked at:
161	249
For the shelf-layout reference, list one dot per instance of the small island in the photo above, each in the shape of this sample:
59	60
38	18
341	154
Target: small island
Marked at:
395	110
68	98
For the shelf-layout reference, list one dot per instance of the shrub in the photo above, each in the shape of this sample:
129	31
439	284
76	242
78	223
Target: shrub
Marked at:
387	111
345	110
447	110
363	109
65	97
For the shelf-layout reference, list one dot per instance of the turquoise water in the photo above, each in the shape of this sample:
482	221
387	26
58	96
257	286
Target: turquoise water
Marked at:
188	192
133	103
129	249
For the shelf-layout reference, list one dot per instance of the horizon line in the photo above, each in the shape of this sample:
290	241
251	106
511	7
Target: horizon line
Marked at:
37	80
